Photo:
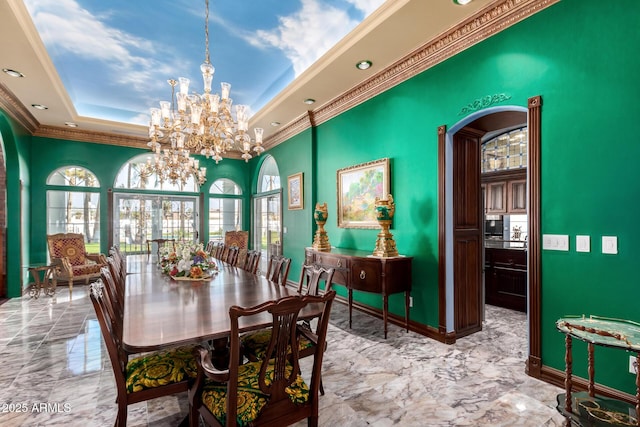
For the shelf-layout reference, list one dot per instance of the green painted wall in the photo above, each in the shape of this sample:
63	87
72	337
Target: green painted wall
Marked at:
579	55
15	142
292	157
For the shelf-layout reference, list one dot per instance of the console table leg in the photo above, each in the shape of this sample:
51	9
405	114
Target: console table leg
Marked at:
350	305
591	369
567	379
638	388
407	302
385	310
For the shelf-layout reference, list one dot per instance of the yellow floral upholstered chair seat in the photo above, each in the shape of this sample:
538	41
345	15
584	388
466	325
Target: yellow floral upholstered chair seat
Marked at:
162	368
254	344
251	399
71	260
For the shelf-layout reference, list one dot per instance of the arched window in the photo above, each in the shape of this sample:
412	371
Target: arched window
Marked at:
269	177
132	176
267	212
225	208
145	209
506	151
73	204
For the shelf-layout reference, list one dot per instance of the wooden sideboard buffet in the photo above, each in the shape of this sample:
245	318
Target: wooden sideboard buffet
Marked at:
360	271
587	408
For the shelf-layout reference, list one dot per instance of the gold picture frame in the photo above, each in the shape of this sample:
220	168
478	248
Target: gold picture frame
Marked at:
358	186
295	191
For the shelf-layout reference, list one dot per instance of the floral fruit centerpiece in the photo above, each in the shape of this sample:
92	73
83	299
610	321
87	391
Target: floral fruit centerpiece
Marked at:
188	260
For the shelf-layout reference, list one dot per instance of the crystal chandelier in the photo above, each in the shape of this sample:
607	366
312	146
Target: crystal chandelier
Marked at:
203	124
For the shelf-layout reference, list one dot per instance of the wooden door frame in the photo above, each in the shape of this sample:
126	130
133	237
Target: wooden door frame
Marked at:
445	316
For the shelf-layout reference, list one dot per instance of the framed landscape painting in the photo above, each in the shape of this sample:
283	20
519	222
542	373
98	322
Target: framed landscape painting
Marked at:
296	196
358	187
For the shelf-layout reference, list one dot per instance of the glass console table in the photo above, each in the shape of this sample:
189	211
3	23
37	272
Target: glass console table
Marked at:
585	408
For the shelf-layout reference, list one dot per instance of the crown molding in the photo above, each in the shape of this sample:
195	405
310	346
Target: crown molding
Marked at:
484	24
300	124
76	134
16	110
487	22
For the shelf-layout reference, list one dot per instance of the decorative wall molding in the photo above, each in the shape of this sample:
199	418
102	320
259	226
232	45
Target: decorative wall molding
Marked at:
16	110
484	102
487	22
303	122
75	134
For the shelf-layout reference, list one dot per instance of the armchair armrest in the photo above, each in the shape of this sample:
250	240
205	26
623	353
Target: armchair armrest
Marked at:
62	265
203	360
97	258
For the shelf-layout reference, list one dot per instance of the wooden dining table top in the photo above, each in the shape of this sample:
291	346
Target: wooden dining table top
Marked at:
160	312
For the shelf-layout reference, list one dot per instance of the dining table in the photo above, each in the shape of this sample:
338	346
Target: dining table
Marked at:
162	312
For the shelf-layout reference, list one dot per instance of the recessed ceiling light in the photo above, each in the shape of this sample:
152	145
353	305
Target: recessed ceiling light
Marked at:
275	124
309	101
39	107
71	124
462	2
12	73
363	65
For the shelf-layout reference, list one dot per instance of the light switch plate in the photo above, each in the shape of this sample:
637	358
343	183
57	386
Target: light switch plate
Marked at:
583	244
609	245
555	242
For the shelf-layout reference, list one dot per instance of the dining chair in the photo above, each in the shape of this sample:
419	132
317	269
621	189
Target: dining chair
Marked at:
152	375
220	251
232	255
278	269
211	245
254	344
161	243
253	261
271	391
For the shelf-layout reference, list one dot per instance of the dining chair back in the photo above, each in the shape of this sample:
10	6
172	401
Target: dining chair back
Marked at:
253	261
160	243
254	343
211	245
120	262
278	269
232	255
220	251
152	375
271	391
310	278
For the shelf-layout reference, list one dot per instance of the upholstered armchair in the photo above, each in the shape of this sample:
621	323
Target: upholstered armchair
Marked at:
71	260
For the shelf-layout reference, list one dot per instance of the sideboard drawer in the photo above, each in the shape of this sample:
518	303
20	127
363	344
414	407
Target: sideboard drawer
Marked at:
339	265
366	275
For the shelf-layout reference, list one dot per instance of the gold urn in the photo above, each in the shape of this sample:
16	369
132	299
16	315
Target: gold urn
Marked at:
320	240
385	245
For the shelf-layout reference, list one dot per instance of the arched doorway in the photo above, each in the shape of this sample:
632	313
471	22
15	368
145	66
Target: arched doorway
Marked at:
450	309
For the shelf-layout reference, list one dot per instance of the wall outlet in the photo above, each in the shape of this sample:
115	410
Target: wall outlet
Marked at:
410	301
633	365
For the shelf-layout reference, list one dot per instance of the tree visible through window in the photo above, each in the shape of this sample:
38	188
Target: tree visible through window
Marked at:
75	210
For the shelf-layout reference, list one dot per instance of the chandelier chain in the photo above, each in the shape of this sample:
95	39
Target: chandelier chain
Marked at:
202	124
206	34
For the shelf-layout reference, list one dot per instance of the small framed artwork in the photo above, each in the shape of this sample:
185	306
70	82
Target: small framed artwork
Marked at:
358	187
295	191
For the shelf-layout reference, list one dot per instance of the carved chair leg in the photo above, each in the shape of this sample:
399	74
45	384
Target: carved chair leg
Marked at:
70	285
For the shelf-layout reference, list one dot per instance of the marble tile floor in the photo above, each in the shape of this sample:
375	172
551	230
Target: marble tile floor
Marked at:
54	370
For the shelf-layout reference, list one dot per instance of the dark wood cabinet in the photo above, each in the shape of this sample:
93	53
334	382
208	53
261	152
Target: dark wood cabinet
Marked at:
358	270
505	278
